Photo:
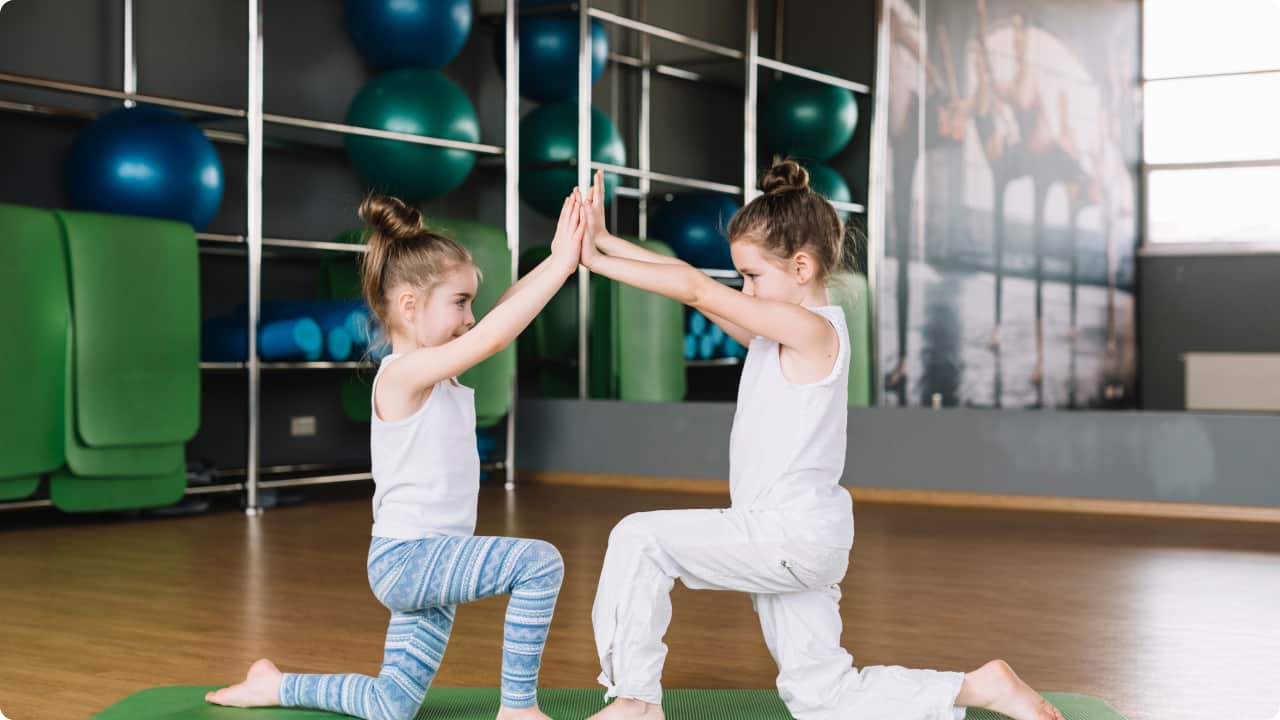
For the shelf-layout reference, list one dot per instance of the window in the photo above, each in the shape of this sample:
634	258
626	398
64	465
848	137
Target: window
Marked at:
1211	105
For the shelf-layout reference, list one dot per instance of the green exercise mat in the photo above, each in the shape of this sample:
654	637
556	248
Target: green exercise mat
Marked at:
492	379
648	337
135	309
18	488
33	316
72	493
849	291
123	460
187	703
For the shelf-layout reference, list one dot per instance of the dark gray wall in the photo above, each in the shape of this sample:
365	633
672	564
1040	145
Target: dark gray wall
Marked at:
1202	303
1112	455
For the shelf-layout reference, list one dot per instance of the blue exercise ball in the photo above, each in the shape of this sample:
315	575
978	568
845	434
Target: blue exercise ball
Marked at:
695	226
393	34
549	56
145	161
828	183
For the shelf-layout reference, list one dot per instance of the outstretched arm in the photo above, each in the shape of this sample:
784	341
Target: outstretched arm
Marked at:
420	369
788	324
600	238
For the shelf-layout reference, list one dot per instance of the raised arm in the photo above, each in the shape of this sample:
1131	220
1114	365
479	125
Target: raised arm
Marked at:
788	324
421	369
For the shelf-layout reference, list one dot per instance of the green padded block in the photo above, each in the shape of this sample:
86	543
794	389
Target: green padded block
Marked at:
551	340
648	332
492	378
849	291
357	390
72	493
33	320
135	309
187	703
17	488
125	460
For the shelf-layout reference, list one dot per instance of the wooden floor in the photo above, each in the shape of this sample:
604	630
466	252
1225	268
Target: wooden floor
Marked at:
1164	618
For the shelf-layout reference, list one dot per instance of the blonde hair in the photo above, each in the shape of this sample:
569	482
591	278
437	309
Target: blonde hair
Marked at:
400	251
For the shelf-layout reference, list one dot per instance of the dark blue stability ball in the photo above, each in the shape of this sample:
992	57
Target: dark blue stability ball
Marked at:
549	54
393	34
695	226
145	161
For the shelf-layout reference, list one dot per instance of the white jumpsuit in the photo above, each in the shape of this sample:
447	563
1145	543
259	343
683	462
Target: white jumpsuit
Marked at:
785	539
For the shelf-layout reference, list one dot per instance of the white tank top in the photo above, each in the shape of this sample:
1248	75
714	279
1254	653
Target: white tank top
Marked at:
787	446
426	467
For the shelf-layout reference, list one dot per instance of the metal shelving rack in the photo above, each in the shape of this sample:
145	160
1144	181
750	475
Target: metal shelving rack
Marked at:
256	123
751	61
255	135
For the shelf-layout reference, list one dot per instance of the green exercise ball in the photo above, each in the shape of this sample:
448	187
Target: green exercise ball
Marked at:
830	184
549	134
808	120
419	102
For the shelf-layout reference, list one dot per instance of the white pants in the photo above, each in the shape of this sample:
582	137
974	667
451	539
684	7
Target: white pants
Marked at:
795	591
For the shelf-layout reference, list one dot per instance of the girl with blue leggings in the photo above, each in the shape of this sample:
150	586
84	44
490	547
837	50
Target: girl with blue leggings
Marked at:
424	558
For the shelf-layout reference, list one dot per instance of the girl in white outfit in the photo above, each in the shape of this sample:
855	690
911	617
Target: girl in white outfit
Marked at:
787	535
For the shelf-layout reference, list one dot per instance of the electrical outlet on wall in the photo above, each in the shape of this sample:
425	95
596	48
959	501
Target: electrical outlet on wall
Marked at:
302	426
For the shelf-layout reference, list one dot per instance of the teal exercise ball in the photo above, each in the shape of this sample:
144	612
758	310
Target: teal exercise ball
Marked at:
145	161
549	135
828	183
418	102
394	34
807	119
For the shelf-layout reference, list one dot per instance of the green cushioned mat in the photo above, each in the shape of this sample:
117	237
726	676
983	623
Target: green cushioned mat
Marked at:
135	309
648	337
492	379
187	703
849	291
33	315
71	493
18	488
126	460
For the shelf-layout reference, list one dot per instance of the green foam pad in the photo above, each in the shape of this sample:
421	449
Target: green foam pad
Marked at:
187	703
124	460
849	291
648	337
33	315
72	493
492	378
135	309
17	488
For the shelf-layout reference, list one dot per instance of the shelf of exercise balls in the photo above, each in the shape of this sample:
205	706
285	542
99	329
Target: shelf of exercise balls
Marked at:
671	71
343	129
813	75
318	245
665	34
96	91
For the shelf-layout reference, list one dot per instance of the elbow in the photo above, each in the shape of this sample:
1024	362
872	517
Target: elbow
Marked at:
693	290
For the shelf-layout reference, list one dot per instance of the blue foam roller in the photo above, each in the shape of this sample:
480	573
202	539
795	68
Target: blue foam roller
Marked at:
698	323
706	348
337	344
690	347
716	334
293	339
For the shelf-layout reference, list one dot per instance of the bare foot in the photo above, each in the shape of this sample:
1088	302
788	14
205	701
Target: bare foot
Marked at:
529	713
629	709
996	687
261	688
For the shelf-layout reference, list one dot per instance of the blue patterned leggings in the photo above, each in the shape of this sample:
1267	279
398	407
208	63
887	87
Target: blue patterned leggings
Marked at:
421	581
